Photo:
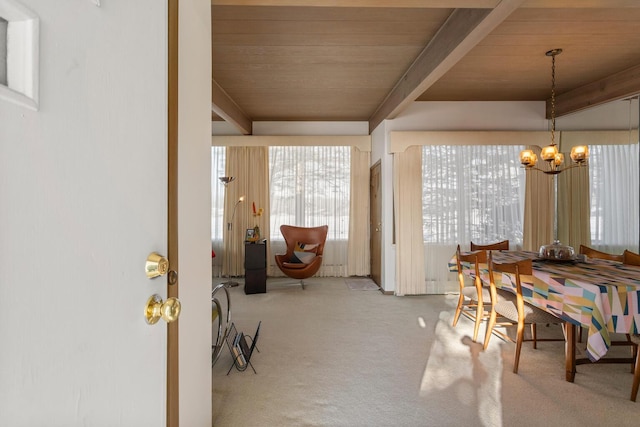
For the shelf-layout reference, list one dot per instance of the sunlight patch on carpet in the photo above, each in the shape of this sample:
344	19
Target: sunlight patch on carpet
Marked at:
458	367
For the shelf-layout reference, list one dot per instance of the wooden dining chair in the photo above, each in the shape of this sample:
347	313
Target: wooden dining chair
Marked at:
636	372
498	246
514	311
474	301
593	253
630	258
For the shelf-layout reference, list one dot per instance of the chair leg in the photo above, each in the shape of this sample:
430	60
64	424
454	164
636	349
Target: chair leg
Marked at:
519	339
458	309
636	380
534	335
489	331
479	317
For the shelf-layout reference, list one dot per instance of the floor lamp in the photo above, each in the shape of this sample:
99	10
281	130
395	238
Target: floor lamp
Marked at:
230	283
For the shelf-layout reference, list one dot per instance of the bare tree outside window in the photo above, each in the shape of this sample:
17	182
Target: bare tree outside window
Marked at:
613	187
310	187
472	193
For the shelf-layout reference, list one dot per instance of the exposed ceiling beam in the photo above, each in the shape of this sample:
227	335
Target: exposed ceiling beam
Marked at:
617	86
463	30
225	107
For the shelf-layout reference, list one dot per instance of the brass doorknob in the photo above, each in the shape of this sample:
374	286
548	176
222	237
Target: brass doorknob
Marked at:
156	265
156	309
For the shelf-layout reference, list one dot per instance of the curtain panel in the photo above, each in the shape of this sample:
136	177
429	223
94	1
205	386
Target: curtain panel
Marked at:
358	249
436	255
407	198
538	208
612	188
250	166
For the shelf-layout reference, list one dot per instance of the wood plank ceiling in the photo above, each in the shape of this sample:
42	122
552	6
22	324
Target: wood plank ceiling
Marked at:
358	60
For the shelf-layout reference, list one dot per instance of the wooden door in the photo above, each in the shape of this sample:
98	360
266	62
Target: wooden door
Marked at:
375	225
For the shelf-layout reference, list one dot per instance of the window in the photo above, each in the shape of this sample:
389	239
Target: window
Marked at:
3	51
217	204
19	36
310	187
613	182
472	193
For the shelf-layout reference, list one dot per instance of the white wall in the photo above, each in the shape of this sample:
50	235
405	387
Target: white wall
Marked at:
617	115
295	128
194	215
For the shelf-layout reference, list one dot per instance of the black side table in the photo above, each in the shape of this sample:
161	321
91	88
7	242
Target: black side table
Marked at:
255	267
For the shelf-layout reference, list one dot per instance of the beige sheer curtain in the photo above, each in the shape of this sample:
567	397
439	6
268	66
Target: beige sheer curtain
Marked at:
538	209
358	254
574	204
573	207
250	166
407	192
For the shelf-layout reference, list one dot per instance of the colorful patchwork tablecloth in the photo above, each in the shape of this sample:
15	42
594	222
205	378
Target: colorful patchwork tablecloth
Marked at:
602	296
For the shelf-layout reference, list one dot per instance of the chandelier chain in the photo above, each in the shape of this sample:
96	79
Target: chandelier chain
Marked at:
553	98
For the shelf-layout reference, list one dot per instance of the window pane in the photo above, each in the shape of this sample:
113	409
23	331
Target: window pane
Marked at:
472	193
217	201
613	182
310	187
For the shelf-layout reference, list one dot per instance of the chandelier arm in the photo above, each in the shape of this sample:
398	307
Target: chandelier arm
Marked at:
554	171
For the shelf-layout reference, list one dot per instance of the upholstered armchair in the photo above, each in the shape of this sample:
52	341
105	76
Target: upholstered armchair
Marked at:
304	251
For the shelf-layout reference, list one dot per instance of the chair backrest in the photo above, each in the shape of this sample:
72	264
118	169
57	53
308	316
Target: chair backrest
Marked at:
498	246
630	258
310	235
593	253
475	258
517	268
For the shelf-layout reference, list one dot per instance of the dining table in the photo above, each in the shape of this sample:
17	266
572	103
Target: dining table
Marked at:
601	296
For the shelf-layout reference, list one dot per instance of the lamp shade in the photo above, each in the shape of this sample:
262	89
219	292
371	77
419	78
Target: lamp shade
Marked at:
579	153
528	158
549	152
558	159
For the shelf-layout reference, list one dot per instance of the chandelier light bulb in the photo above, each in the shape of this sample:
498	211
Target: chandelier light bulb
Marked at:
549	152
580	153
528	158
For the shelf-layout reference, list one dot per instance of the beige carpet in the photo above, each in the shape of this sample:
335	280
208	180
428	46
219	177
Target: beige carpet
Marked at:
333	357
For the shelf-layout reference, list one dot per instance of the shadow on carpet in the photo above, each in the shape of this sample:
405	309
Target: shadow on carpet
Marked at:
361	284
463	375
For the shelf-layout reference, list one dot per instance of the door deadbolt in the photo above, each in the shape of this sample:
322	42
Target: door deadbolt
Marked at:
156	265
156	309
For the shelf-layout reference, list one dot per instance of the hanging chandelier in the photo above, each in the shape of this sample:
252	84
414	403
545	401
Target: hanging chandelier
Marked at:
550	154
